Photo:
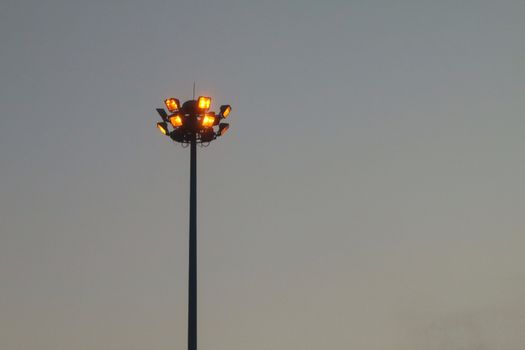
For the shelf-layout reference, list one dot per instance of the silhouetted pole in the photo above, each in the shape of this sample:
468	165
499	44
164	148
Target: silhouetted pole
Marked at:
192	285
193	123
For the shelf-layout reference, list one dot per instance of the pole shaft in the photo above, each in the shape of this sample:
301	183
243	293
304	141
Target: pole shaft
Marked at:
192	285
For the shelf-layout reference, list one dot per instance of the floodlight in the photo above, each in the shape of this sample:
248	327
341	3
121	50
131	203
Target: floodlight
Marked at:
223	127
208	120
192	121
172	104
162	114
163	127
176	120
192	124
204	103
225	110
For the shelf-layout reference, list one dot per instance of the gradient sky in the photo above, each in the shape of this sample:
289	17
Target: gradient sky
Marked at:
369	195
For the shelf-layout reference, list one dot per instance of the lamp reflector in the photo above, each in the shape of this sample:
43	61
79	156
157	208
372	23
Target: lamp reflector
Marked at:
208	120
163	127
176	120
204	102
225	110
172	104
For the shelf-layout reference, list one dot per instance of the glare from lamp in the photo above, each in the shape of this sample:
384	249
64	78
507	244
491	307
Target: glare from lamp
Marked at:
204	102
208	120
176	120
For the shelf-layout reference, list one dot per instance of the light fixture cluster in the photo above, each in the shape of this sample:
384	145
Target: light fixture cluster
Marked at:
192	120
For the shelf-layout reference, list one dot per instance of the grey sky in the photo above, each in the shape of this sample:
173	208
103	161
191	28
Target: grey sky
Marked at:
369	194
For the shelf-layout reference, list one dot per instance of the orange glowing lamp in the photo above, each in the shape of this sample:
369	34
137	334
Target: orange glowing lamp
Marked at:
225	110
163	128
204	103
176	120
172	104
208	120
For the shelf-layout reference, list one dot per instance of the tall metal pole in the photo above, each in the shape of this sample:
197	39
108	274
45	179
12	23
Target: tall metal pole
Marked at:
192	123
192	286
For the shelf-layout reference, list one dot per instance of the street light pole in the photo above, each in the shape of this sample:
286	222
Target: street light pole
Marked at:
192	281
192	123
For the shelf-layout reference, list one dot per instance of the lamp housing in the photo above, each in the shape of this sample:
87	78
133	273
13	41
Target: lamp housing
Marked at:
176	120
172	104
204	103
225	110
163	127
223	127
208	120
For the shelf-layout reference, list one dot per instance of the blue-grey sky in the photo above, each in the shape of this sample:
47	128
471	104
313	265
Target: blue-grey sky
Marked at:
369	194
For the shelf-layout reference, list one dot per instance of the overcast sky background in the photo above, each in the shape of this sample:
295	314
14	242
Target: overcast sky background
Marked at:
369	194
